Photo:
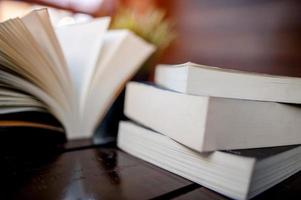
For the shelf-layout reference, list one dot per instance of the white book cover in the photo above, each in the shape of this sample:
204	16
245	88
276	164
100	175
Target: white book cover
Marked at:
206	123
191	78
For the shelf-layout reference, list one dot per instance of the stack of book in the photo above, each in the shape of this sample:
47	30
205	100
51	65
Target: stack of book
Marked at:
234	132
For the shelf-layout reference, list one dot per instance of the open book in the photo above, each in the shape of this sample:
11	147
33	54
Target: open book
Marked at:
74	72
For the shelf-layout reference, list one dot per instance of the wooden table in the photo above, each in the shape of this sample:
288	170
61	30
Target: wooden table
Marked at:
86	171
260	36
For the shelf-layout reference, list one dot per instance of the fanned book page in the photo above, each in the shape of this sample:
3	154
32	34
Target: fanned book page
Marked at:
74	72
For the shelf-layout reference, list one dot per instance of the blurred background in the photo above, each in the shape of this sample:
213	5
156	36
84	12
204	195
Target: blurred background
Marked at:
259	35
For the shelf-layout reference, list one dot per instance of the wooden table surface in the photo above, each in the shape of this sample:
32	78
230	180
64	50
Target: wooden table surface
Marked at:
86	171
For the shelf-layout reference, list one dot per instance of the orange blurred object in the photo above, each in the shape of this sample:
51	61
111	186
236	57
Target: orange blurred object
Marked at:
11	9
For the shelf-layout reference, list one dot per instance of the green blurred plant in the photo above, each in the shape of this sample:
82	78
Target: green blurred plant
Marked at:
151	25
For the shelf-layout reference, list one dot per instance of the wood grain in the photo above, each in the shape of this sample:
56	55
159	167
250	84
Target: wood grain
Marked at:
85	174
201	193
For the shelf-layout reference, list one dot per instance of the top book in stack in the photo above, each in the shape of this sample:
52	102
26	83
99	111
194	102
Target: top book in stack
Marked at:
203	80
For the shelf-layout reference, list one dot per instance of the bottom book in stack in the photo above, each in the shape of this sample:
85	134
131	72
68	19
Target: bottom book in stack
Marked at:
239	174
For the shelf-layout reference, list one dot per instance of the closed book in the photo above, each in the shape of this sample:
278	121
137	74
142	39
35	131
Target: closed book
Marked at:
206	123
197	79
239	174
